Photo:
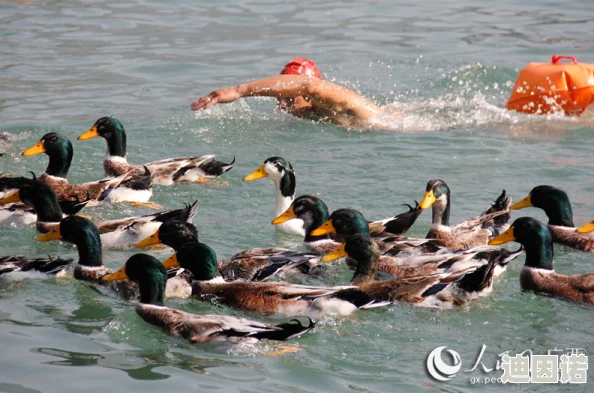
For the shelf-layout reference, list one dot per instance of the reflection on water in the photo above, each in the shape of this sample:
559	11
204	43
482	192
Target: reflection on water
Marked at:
137	364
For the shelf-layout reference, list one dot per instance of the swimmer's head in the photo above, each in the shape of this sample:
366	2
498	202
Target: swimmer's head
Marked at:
301	66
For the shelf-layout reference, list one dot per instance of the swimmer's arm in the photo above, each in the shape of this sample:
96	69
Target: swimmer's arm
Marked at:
323	95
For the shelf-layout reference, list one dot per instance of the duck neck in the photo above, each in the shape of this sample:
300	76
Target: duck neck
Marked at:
285	192
60	159
365	270
89	248
560	214
441	210
539	253
47	208
152	289
116	142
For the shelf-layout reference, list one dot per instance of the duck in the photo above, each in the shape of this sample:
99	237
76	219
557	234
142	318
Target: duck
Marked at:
267	298
314	213
538	274
404	257
165	172
120	233
127	186
84	234
45	265
151	276
556	205
254	264
282	174
20	214
445	289
470	233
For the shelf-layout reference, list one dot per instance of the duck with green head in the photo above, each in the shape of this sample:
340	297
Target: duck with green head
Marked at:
254	264
451	285
471	233
151	277
400	257
165	172
538	274
266	298
556	205
85	235
313	212
126	187
120	232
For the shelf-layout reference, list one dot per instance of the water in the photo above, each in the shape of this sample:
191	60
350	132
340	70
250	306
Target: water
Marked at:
449	67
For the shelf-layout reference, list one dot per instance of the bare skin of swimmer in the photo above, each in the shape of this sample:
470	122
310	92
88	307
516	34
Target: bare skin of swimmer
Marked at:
304	97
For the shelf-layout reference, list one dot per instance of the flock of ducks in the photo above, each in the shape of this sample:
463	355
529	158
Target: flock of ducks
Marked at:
453	265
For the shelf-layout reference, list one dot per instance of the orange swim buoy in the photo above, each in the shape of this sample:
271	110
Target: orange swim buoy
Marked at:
552	87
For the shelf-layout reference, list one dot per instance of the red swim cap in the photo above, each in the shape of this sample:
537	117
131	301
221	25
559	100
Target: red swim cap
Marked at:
301	66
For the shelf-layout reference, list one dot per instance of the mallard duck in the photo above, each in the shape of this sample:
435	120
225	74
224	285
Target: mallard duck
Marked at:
85	235
589	227
314	213
254	264
19	263
151	275
127	186
165	172
555	203
266	298
538	274
114	233
453	286
471	233
19	214
402	257
281	172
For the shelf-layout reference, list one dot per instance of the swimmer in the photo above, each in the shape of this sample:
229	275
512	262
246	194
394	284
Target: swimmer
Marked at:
301	91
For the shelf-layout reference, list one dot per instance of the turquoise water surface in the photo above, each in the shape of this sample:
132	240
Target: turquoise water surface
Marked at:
449	68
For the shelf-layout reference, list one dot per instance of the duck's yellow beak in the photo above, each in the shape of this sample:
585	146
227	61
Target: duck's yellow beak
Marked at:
149	241
171	262
115	276
38	148
428	200
505	237
324	229
289	214
526	202
13	197
90	134
339	252
257	174
589	227
54	234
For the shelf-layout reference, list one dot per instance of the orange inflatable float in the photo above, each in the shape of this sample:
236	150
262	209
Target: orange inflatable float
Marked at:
553	87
